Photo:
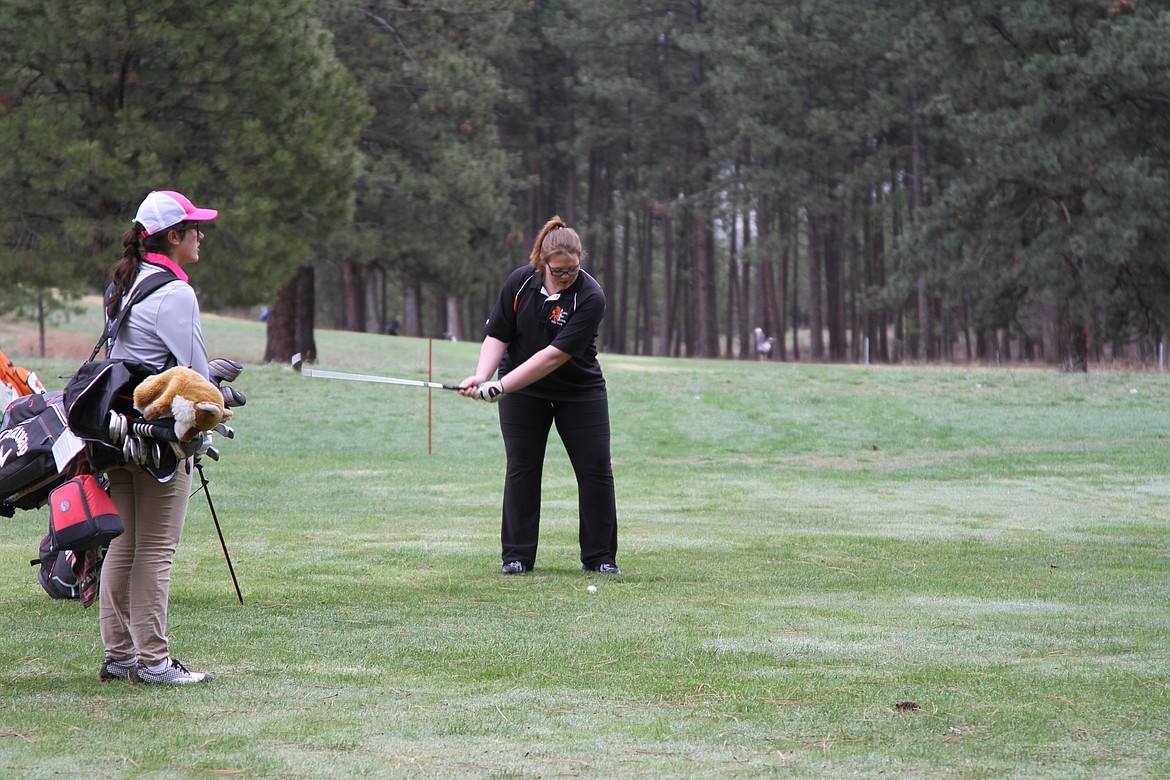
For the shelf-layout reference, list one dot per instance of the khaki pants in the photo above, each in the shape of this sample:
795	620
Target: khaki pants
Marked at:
136	574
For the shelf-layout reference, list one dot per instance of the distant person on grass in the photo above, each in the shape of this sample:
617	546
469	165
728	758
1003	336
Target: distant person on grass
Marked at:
162	330
763	343
542	337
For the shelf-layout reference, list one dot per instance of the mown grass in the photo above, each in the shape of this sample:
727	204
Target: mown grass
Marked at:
806	547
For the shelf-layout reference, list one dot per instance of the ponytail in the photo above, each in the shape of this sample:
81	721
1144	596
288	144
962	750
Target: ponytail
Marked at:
555	238
134	249
125	271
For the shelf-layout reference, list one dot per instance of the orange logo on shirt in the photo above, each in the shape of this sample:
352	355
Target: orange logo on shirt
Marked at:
557	316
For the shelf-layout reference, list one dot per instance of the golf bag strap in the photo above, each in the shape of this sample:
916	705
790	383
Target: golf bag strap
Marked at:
145	288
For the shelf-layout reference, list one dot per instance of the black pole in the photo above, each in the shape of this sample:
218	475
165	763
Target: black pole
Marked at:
211	506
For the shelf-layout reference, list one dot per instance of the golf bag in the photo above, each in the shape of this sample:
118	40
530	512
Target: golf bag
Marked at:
58	574
82	515
28	467
20	380
99	388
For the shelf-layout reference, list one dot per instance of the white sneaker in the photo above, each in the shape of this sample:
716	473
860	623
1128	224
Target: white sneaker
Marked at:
174	674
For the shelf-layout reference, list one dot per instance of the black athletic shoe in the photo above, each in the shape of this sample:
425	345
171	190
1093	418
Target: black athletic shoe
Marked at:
605	568
513	567
115	670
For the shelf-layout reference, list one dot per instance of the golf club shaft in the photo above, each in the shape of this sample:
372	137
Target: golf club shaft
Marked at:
319	374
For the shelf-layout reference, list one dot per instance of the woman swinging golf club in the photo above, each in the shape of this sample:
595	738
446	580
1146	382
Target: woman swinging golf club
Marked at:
541	336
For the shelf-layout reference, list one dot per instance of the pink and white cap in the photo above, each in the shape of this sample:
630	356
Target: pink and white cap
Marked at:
165	208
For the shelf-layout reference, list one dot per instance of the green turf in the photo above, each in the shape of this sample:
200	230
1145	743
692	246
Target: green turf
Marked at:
807	547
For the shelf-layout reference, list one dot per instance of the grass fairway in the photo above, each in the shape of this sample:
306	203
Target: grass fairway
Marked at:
807	547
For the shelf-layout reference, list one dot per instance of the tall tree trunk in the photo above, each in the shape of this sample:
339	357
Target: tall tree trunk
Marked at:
375	299
767	282
570	208
779	349
354	287
780	297
1072	339
412	303
877	252
622	315
763	270
644	323
438	318
705	311
794	249
537	215
609	269
816	252
868	273
834	287
290	320
732	285
903	342
382	298
968	342
706	320
306	294
667	326
853	315
923	303
453	319
592	196
766	277
747	346
682	299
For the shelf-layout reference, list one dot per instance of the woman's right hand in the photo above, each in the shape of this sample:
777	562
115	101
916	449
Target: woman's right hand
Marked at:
470	386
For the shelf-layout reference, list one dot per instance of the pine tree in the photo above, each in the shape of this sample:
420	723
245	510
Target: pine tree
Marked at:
433	196
245	110
1061	213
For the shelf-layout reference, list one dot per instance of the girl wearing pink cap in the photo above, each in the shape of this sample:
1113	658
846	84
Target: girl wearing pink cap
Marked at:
163	330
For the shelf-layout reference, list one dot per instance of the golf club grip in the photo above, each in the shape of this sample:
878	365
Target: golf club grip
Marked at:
154	431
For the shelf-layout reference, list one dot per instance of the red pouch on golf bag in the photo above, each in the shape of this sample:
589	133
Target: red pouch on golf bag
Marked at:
82	515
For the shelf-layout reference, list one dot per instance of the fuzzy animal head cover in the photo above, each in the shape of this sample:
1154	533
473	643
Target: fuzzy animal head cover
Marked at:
195	404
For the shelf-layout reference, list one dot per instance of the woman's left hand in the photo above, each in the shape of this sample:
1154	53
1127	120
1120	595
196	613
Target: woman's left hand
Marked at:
490	391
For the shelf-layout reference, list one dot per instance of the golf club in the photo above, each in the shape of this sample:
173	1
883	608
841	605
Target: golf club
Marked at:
300	369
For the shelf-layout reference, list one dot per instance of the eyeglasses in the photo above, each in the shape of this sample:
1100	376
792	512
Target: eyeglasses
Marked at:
196	226
561	273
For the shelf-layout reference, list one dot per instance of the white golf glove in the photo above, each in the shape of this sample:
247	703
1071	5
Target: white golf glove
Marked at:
490	391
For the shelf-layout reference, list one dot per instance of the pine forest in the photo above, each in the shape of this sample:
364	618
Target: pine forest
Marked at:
817	180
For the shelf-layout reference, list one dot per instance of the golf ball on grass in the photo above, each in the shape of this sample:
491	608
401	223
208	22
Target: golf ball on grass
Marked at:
592	589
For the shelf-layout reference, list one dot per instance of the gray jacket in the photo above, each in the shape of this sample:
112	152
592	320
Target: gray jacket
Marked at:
163	324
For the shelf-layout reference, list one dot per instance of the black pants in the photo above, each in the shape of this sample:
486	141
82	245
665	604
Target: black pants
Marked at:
583	426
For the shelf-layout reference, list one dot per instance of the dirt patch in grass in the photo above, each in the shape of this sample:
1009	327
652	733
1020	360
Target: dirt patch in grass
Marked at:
20	339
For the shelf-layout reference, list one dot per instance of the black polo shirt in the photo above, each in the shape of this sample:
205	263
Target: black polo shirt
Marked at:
527	319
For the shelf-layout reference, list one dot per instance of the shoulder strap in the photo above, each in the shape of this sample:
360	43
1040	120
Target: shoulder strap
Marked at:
147	286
